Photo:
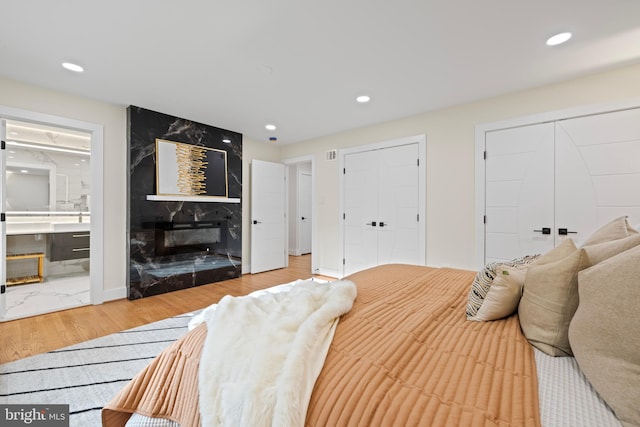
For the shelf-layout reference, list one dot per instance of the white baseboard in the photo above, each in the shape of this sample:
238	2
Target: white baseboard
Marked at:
331	273
114	294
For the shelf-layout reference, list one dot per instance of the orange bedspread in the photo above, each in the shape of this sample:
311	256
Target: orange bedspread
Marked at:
404	355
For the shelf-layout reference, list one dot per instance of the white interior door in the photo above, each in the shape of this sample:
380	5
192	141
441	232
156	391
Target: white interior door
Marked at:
3	224
519	186
360	211
597	171
304	212
381	208
398	236
569	177
268	216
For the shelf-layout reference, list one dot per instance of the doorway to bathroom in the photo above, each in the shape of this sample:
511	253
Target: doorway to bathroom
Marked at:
46	192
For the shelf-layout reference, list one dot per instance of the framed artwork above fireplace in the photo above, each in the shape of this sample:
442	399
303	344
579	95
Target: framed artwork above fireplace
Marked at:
190	170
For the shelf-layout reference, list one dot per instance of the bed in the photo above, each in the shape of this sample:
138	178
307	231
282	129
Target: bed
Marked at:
406	353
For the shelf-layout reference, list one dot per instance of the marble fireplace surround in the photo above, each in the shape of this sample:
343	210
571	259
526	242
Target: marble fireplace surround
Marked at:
181	242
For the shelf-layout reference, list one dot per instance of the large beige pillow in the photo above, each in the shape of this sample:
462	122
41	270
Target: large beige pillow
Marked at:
615	229
549	300
605	332
601	251
563	250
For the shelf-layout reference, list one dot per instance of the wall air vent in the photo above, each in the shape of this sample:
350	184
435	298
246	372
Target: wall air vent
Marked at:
332	154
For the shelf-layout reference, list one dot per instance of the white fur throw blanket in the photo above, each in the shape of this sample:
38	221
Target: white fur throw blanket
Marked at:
264	352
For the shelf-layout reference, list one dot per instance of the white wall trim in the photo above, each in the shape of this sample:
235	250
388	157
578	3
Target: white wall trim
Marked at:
422	193
97	185
549	116
114	294
329	273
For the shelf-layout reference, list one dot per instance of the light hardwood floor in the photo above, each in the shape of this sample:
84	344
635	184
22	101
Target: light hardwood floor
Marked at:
26	337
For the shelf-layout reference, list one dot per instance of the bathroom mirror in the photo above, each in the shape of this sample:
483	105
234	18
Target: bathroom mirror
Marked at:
30	188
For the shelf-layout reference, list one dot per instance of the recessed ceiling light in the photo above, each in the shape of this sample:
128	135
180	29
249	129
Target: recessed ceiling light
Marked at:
558	39
24	171
363	99
270	127
72	67
226	141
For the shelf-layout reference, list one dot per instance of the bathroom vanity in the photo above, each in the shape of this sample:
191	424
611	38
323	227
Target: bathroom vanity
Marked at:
60	241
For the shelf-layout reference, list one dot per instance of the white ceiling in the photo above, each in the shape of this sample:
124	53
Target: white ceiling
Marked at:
299	64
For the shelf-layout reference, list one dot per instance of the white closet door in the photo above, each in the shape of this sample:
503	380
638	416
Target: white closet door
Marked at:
597	171
381	190
398	205
360	210
519	199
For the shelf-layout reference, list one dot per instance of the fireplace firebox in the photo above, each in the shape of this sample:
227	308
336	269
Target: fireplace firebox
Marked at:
199	237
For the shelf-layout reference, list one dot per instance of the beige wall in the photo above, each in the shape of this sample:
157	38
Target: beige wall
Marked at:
113	119
450	230
450	161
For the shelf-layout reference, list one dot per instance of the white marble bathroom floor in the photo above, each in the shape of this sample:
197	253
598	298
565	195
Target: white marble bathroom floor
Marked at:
54	294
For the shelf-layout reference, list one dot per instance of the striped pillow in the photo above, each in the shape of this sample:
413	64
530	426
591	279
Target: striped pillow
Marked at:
484	280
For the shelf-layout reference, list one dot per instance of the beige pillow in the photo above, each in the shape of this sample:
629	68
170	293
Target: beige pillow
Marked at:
549	300
563	250
501	299
605	332
601	251
504	294
613	230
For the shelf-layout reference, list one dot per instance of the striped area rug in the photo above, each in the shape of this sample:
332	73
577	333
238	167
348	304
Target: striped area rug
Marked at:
86	376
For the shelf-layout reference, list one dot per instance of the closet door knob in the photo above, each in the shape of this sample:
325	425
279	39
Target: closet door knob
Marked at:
564	232
545	230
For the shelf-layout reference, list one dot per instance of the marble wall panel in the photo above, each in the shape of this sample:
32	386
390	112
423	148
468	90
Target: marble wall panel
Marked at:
153	272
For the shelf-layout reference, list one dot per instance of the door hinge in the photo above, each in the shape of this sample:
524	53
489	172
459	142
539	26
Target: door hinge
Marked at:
343	261
485	155
2	145
3	289
484	219
344	171
418	162
3	217
418	217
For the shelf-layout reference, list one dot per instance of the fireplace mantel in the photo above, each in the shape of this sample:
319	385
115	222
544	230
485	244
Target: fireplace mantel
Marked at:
155	198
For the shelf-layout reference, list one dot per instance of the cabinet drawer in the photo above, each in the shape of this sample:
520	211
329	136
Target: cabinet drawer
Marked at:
64	246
